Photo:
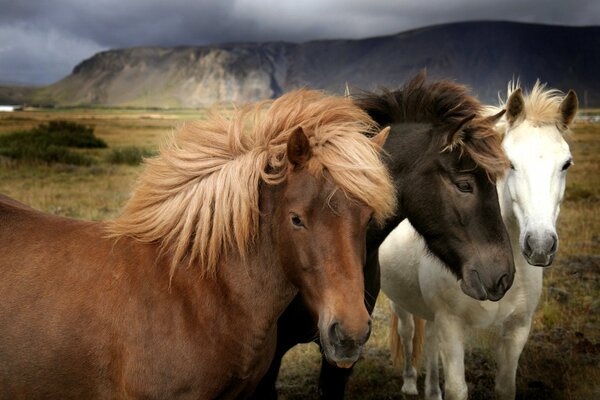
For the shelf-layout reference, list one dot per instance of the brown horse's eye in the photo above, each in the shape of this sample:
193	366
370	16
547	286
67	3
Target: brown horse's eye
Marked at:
297	222
464	186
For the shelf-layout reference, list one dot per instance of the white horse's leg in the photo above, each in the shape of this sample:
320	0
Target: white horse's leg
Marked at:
432	377
514	336
406	330
450	335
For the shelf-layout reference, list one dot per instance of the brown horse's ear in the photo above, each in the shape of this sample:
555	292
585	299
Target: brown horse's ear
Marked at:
515	106
568	108
492	119
381	137
457	134
298	148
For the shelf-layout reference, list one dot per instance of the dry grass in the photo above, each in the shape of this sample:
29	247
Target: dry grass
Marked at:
559	362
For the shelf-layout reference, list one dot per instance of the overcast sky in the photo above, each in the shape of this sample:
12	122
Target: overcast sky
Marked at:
42	40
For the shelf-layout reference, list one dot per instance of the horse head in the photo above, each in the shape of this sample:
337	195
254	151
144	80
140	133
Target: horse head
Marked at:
532	191
445	155
319	234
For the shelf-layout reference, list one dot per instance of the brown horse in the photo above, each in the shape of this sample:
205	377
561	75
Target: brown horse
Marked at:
179	296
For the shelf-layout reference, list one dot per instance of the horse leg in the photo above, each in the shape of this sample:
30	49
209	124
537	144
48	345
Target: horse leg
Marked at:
406	330
333	380
294	326
432	377
514	336
449	332
266	388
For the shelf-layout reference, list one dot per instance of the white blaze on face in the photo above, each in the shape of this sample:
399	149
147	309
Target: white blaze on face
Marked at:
533	188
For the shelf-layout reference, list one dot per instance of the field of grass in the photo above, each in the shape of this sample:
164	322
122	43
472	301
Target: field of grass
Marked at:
561	359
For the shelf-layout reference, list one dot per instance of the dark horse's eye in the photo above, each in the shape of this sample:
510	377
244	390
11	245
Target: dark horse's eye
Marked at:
512	166
567	165
296	221
464	186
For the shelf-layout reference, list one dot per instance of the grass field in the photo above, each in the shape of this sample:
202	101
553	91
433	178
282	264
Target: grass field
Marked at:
561	360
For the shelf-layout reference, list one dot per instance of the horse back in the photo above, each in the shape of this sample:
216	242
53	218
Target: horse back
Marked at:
84	316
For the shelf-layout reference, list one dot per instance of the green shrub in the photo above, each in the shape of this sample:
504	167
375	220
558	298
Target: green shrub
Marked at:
49	143
130	155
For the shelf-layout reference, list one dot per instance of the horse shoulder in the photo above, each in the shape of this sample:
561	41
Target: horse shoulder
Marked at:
523	297
400	258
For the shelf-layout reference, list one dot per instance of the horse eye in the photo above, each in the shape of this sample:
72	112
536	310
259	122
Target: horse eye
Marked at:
567	165
464	186
297	222
512	166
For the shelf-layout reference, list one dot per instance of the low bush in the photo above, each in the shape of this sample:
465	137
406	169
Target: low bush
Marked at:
49	143
130	155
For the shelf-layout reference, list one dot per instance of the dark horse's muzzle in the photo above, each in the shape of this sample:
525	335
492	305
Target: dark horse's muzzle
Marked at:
479	288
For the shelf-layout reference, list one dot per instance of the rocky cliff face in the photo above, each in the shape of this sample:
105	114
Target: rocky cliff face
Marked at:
484	55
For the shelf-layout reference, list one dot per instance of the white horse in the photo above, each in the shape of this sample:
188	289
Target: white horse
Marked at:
530	195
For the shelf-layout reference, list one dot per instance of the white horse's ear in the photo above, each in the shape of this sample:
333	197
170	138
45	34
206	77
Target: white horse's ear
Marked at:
381	137
515	106
568	108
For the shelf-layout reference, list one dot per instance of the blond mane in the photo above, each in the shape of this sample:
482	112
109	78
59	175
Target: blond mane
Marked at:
542	106
199	198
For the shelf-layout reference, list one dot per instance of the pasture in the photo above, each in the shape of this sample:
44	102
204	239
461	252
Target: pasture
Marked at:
561	359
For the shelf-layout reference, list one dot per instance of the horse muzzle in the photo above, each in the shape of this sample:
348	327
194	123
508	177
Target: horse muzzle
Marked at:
340	346
539	249
485	289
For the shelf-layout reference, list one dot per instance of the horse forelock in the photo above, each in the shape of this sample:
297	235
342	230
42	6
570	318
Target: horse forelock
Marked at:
542	105
443	104
199	198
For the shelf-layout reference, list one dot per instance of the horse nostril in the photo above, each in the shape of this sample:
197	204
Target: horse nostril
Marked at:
554	241
334	332
369	327
502	284
528	248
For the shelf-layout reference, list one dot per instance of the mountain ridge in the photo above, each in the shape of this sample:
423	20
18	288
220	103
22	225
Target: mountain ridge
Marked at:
485	55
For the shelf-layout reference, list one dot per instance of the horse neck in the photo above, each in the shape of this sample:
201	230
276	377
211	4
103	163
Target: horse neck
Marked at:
406	142
258	282
259	279
376	235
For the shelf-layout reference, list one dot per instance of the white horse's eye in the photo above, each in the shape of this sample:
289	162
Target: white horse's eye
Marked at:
512	166
567	165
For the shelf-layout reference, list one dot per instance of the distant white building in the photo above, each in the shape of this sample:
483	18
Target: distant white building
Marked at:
10	108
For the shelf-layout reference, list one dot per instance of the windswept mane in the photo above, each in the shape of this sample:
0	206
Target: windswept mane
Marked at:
542	106
199	198
443	104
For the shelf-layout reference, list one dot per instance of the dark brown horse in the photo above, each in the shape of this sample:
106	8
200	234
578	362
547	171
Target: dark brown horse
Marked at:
179	297
444	157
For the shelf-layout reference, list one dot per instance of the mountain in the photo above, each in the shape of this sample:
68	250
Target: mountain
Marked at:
483	55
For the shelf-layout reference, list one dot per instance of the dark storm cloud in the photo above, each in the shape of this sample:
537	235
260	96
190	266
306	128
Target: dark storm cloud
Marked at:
43	40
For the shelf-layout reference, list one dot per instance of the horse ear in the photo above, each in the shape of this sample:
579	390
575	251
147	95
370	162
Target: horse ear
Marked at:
381	137
568	108
347	91
298	148
457	134
492	119
515	106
